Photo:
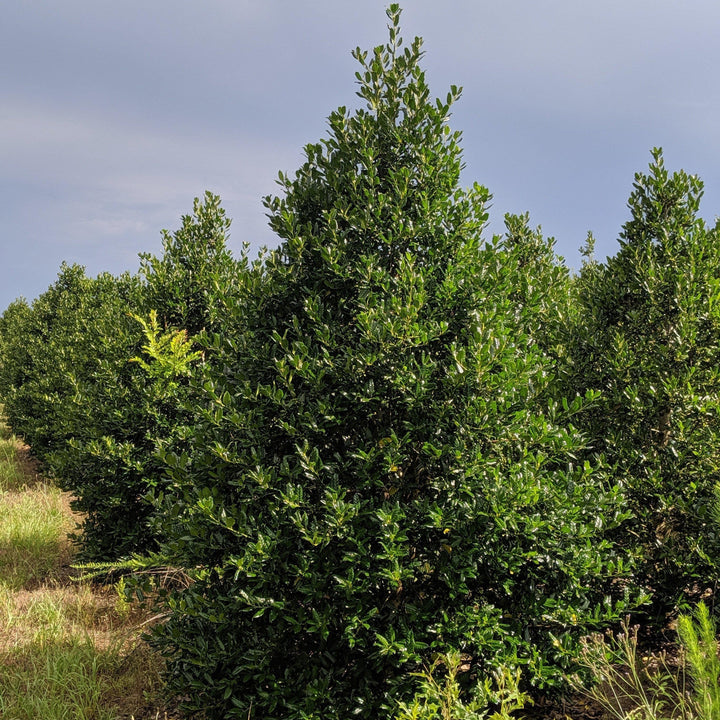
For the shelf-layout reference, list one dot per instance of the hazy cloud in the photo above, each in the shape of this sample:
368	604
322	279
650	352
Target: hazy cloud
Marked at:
113	116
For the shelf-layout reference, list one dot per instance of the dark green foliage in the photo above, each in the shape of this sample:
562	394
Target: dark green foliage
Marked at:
649	338
109	463
194	280
49	346
14	352
71	394
373	480
91	415
112	464
545	290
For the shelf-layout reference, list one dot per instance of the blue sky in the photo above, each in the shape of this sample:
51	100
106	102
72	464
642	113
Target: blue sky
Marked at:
115	115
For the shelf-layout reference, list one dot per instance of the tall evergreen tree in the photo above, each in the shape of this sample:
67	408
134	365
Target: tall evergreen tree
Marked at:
649	339
372	482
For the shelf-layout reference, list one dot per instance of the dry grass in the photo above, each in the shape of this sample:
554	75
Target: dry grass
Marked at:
67	649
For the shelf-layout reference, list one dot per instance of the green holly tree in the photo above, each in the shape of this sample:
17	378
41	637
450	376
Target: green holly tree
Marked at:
376	476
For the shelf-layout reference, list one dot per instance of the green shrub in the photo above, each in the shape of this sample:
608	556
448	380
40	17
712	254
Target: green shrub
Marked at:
649	338
14	356
89	413
110	463
55	348
377	475
546	291
68	389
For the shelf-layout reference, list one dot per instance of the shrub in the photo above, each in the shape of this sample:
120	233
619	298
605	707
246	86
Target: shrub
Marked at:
70	395
110	463
372	481
546	292
649	339
55	348
13	351
91	414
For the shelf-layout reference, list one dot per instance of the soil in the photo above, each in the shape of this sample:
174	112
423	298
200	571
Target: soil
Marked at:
574	707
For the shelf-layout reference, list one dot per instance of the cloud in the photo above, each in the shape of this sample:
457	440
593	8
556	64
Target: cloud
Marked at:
83	186
138	165
115	115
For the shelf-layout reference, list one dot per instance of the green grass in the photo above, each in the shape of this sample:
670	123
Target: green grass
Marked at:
68	650
58	680
72	652
12	476
33	526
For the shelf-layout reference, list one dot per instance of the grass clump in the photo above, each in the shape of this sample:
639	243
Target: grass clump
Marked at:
698	638
63	678
632	685
33	526
12	476
67	649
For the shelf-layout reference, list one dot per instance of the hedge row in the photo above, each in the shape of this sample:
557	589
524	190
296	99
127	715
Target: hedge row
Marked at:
390	440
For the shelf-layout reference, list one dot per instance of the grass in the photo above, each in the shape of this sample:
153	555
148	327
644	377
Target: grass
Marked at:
636	686
32	523
68	650
12	473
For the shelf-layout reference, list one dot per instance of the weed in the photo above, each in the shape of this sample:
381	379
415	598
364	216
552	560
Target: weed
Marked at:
697	636
441	699
633	686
